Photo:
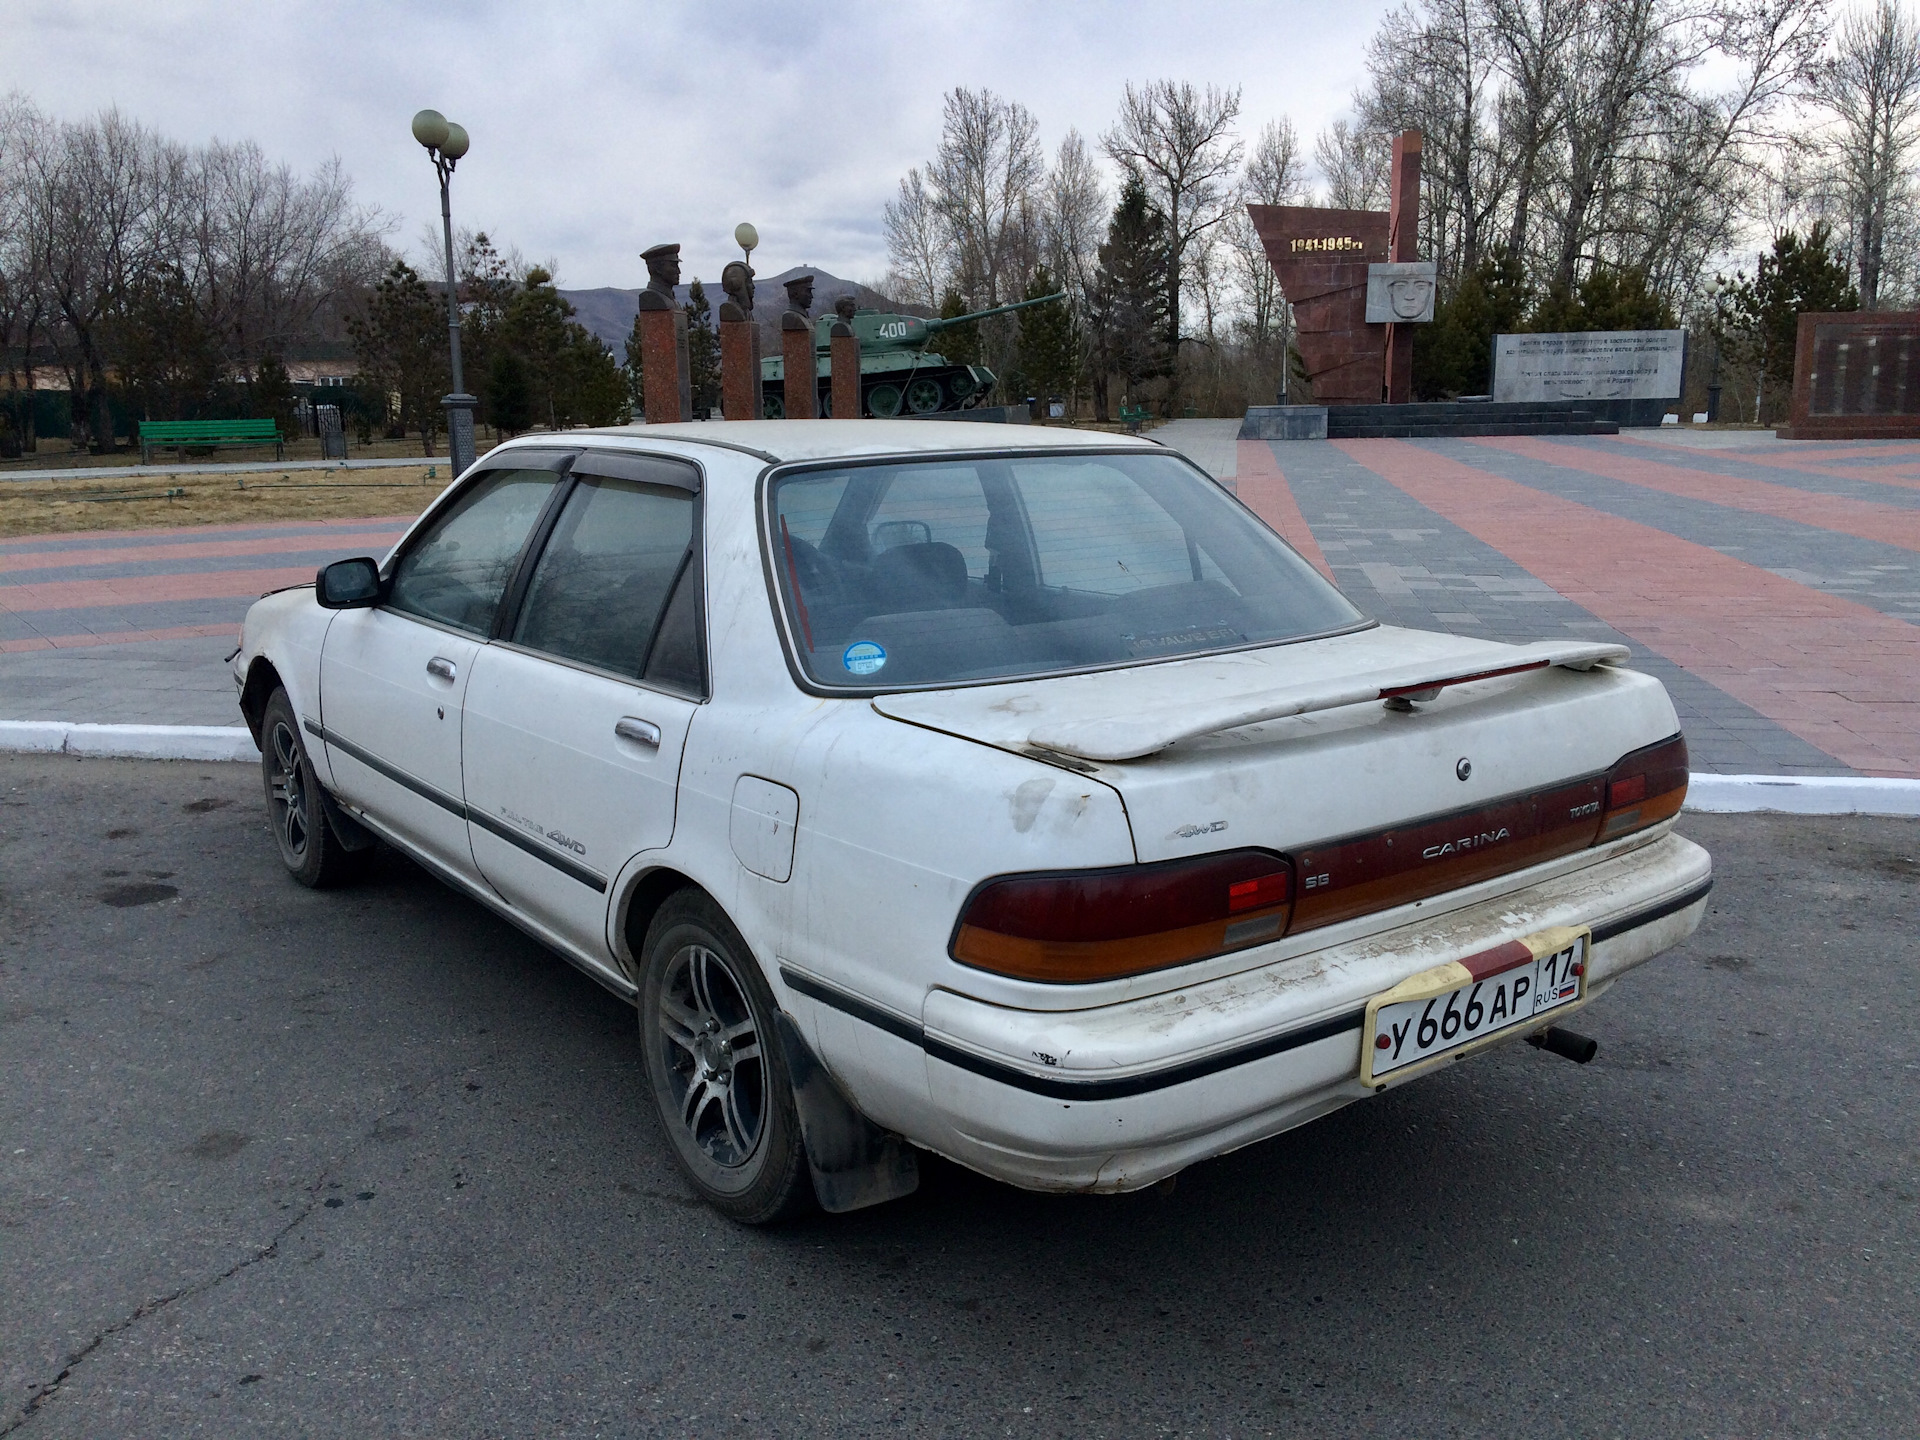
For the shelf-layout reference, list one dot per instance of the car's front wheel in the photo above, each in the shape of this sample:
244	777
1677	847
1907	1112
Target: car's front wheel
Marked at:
309	849
715	1066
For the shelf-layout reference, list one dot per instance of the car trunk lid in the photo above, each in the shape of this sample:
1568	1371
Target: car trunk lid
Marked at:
1313	749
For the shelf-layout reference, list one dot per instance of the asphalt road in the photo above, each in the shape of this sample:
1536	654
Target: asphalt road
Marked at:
371	1163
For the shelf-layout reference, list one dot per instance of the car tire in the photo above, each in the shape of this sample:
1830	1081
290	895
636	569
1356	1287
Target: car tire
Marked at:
715	1067
296	811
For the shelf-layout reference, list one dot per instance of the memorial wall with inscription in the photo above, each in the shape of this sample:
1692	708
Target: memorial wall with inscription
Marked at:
1632	376
1856	376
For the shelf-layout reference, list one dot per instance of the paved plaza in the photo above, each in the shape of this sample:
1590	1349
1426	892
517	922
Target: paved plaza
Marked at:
1772	585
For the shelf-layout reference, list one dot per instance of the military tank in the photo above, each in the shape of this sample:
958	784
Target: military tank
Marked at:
898	373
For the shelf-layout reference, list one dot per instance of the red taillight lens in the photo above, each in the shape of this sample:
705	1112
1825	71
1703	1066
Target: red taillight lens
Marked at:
1101	924
1644	788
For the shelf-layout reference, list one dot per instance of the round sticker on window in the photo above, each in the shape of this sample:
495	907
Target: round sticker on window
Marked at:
863	657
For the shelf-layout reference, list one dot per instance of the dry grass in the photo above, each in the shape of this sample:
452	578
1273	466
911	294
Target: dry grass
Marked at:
141	501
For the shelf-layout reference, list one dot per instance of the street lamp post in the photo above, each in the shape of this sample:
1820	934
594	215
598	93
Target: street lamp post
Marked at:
446	142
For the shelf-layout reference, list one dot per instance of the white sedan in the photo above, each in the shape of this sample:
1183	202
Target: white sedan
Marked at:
1015	795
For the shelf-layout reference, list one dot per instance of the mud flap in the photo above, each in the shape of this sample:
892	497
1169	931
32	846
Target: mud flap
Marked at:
854	1162
352	835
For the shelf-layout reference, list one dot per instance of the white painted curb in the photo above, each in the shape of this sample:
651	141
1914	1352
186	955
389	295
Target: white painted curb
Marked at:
1707	794
138	742
1802	795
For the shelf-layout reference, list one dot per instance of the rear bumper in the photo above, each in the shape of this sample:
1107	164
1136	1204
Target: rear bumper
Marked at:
1120	1096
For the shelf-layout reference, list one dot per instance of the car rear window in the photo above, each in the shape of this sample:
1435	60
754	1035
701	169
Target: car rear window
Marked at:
968	569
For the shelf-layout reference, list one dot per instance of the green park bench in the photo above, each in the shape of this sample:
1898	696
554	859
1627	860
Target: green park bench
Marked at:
1133	417
182	434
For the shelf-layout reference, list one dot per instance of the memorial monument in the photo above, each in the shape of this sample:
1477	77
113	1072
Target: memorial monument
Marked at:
1856	376
801	395
1355	352
663	340
844	360
739	345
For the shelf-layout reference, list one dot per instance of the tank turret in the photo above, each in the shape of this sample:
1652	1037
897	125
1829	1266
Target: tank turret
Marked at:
898	370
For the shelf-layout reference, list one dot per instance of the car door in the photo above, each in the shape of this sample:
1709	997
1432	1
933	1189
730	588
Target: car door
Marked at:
577	714
393	677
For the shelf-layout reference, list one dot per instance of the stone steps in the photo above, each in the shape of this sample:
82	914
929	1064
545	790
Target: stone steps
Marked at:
1445	418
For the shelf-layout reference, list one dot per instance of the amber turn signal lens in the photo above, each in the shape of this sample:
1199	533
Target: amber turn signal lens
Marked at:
1103	924
1644	788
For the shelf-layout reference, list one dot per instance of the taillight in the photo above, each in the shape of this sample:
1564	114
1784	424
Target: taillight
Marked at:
1101	924
1644	788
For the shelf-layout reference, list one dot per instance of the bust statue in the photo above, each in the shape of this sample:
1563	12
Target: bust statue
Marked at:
844	308
800	293
663	274
736	278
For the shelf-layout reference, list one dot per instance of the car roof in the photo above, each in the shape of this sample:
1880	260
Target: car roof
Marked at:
786	440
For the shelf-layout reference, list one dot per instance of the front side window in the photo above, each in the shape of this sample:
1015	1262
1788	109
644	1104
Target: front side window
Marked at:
618	553
967	569
457	572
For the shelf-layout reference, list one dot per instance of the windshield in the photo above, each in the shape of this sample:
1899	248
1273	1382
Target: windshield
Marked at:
958	570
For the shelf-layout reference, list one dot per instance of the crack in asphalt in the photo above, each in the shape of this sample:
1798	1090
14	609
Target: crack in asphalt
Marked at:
152	1307
409	1096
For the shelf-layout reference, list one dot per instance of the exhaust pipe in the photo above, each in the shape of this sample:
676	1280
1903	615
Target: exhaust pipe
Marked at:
1577	1048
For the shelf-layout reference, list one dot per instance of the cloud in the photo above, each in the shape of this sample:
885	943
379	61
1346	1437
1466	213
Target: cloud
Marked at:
600	128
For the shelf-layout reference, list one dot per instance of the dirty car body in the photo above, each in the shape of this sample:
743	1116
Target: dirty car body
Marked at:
1074	827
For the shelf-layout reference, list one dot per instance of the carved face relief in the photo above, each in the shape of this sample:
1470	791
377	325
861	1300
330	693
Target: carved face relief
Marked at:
1409	296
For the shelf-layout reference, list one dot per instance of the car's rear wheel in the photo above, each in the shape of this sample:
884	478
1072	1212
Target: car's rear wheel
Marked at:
296	810
715	1066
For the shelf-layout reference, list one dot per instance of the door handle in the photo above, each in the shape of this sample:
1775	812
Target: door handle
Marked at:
441	666
644	732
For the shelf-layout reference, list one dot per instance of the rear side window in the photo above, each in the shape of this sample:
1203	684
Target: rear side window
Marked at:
603	584
457	572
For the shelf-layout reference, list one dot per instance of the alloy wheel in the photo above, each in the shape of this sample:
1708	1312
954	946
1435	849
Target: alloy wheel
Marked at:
715	1067
287	791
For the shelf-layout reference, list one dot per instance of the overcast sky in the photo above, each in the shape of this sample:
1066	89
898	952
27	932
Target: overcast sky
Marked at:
600	128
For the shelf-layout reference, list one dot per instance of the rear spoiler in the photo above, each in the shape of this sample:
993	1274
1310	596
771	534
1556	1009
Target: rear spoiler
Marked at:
1131	737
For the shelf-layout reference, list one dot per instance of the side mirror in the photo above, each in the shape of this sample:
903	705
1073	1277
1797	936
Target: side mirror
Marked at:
348	584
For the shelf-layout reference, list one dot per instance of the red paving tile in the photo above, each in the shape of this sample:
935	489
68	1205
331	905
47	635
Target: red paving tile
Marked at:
1261	483
1824	462
1793	654
17	544
196	550
116	637
148	589
1889	524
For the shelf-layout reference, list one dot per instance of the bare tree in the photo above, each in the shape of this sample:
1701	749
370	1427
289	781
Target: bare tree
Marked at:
1354	163
1180	143
916	244
1431	70
105	184
1075	216
1871	87
1275	175
1529	44
25	135
985	179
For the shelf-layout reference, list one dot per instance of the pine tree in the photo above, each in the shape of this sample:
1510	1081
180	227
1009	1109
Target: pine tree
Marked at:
509	394
1454	355
635	370
1760	319
961	344
1046	353
401	342
1127	297
703	349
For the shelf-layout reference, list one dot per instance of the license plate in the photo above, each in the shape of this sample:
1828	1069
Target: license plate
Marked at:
1452	1008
